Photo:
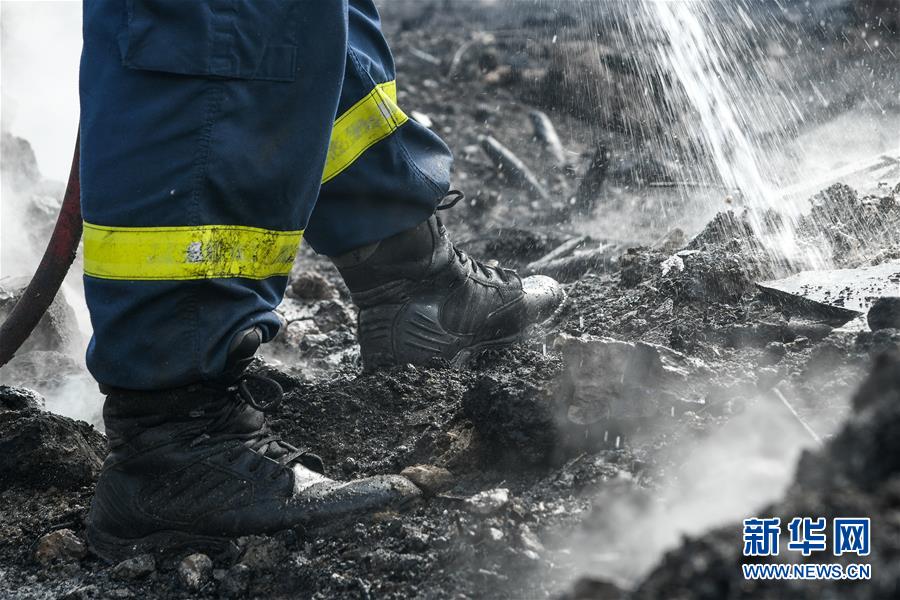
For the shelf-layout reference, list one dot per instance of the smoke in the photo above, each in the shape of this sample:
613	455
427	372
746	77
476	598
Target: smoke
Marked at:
721	477
41	49
40	45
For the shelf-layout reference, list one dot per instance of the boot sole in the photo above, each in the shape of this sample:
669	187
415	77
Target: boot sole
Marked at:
113	549
536	329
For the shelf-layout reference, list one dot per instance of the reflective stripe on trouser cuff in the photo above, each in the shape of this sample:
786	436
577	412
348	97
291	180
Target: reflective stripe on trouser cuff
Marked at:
367	122
201	252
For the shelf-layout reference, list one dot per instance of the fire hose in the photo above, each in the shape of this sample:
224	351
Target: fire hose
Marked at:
57	259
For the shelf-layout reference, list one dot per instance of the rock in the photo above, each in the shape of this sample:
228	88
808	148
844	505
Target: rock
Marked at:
415	540
522	418
292	335
519	416
708	276
333	314
757	334
531	555
884	313
637	265
195	571
236	581
528	540
723	228
774	352
136	567
59	545
43	450
312	341
383	559
310	285
673	262
488	501
801	343
82	592
815	332
262	553
431	479
19	399
57	329
856	229
623	381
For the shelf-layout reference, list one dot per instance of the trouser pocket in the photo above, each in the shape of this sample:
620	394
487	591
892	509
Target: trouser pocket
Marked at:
238	39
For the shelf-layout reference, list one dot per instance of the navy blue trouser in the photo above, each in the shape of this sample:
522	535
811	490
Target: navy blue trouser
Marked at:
214	134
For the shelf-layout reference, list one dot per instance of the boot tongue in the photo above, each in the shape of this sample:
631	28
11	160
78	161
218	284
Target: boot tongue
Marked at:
245	405
249	418
244	419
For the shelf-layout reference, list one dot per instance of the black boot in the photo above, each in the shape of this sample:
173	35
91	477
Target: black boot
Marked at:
197	466
419	297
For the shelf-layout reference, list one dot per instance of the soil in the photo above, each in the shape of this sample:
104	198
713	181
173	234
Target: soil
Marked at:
575	435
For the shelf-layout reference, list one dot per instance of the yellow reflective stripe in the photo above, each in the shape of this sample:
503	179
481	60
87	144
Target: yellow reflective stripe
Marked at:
201	252
367	122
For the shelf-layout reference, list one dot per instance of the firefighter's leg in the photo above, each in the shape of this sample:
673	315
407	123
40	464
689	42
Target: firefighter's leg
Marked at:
204	131
419	297
385	172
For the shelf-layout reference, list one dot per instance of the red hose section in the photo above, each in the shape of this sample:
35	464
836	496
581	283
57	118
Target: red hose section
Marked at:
50	273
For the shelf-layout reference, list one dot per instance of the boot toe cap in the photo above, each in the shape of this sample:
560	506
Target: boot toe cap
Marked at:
399	489
328	499
544	298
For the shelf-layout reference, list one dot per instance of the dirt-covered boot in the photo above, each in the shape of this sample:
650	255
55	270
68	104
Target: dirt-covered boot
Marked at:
421	298
195	467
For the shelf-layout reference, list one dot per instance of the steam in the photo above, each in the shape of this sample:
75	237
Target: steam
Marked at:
723	477
40	50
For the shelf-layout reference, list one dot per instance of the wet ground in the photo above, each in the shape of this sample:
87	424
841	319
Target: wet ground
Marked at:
571	463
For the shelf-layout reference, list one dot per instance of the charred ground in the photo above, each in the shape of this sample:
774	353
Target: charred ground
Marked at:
667	344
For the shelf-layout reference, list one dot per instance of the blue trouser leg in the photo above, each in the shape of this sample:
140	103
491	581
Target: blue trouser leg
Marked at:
396	183
205	134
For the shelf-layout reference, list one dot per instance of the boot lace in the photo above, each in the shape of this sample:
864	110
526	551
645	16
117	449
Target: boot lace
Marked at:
264	395
449	201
